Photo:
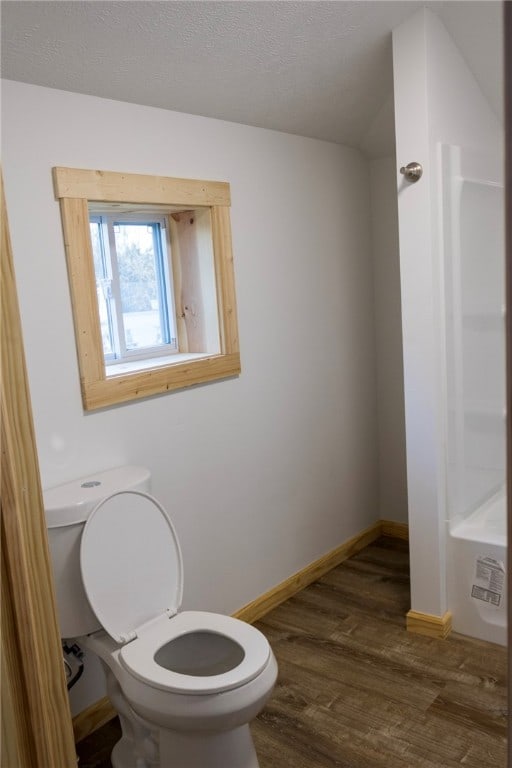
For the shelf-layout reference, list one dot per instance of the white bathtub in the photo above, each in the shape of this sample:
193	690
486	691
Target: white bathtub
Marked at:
477	562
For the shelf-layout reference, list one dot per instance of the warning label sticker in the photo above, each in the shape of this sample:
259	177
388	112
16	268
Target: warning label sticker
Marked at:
489	580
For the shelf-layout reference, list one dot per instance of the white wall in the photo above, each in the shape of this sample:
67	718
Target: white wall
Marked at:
436	100
378	143
392	479
262	473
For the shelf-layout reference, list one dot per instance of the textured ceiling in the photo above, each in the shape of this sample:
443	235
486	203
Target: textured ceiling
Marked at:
319	69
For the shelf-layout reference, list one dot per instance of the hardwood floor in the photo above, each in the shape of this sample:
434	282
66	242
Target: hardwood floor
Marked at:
355	690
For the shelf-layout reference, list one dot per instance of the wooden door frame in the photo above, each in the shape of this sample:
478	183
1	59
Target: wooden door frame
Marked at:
507	37
36	720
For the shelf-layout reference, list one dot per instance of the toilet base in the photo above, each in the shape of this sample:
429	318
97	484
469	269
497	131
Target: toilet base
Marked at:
179	750
122	755
145	746
138	746
203	749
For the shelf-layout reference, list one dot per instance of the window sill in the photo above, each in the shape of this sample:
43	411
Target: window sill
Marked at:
162	375
153	362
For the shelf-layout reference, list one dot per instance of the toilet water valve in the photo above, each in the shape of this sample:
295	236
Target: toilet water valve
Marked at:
73	663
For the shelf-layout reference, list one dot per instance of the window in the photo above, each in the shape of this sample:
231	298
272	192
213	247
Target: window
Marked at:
133	285
151	279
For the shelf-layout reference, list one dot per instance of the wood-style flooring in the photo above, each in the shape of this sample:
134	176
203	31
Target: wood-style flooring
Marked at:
355	690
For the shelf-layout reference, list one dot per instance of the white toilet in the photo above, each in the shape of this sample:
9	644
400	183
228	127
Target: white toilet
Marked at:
185	684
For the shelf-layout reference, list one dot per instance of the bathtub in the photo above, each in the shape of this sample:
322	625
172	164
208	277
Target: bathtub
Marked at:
477	581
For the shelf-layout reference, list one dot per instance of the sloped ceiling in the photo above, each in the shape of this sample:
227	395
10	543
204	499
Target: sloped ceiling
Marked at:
318	69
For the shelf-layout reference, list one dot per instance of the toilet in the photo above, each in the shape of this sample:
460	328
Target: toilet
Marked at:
186	684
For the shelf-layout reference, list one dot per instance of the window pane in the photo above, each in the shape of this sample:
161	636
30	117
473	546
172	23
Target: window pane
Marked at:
104	308
97	249
141	284
102	287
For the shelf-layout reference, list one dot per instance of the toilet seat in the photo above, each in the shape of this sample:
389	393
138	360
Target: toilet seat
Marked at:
132	574
138	657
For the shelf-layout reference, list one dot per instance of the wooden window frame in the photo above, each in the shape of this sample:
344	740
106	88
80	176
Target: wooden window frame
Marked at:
74	189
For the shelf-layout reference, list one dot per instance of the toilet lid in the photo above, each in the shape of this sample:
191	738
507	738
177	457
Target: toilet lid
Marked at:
131	563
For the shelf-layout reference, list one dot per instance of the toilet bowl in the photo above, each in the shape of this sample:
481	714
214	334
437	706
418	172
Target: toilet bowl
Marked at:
186	684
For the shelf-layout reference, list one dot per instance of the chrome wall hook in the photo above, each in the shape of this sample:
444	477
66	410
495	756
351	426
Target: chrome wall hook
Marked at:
412	171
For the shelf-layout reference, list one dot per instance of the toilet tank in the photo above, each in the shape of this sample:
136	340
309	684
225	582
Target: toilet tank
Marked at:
67	508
